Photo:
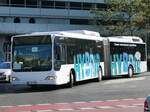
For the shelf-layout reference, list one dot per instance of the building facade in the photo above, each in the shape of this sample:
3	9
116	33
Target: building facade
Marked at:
25	16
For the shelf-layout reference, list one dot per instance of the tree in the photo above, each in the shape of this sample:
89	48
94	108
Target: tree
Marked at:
125	17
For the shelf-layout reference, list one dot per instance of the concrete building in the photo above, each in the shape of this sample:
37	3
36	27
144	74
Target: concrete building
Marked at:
25	16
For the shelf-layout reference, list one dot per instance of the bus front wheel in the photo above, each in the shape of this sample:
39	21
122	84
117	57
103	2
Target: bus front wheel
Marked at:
71	82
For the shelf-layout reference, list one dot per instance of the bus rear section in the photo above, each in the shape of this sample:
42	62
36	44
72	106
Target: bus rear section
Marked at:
126	55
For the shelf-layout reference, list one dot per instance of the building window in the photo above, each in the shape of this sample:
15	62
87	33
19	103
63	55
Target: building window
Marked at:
87	6
47	4
102	6
17	3
31	3
79	21
76	5
32	20
4	3
60	5
17	20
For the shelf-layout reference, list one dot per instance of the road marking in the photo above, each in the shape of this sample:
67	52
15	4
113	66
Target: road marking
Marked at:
140	98
104	107
140	104
78	102
24	111
112	100
44	104
126	106
86	108
24	105
44	110
127	99
65	109
60	103
6	106
95	101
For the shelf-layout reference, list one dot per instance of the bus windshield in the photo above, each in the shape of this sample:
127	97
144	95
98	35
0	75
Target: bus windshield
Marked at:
32	53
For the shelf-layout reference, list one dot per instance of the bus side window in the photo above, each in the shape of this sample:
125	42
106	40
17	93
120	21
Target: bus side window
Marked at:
57	52
60	54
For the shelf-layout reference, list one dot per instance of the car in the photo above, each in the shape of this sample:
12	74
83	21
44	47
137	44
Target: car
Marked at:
5	72
147	104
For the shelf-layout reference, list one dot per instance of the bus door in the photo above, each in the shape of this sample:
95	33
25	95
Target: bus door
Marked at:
107	67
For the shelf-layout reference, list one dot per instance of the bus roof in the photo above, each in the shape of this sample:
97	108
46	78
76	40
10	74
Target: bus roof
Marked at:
81	34
125	39
86	34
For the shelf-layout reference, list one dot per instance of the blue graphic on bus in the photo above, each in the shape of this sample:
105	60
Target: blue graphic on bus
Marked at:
86	65
121	62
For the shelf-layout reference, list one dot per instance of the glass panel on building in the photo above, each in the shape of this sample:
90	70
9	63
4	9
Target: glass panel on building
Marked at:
32	3
87	6
76	5
17	3
4	2
60	5
102	6
79	21
47	4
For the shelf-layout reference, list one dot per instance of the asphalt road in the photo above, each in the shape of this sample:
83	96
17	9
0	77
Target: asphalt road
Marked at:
113	89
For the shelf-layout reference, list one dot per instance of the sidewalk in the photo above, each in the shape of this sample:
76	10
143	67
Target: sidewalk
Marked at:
123	105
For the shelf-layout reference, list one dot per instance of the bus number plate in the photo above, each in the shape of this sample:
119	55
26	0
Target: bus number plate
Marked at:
31	82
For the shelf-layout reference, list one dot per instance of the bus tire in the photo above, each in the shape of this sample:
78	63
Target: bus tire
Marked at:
130	71
71	81
99	74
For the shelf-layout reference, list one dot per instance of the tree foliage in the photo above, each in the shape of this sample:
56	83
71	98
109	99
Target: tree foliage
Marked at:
128	16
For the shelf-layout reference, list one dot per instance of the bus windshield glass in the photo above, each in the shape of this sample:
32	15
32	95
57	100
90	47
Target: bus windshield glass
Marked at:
32	53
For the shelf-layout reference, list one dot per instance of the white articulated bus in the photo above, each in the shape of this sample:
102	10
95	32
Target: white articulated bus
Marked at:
61	57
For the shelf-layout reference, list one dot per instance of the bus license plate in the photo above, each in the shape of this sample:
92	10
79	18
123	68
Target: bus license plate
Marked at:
31	82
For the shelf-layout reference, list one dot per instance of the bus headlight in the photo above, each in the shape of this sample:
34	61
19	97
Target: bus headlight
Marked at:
15	79
50	78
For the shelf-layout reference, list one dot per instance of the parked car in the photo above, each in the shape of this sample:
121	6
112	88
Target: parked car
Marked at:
147	104
5	72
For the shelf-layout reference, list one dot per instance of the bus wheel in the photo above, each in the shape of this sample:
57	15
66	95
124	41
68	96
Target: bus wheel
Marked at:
99	74
71	82
130	72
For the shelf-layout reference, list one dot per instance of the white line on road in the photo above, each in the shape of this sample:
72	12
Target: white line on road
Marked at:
126	106
61	103
65	109
95	101
43	104
78	102
112	100
87	108
24	105
6	106
44	110
104	107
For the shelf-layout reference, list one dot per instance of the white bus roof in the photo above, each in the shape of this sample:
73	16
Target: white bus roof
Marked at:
125	39
81	34
86	34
